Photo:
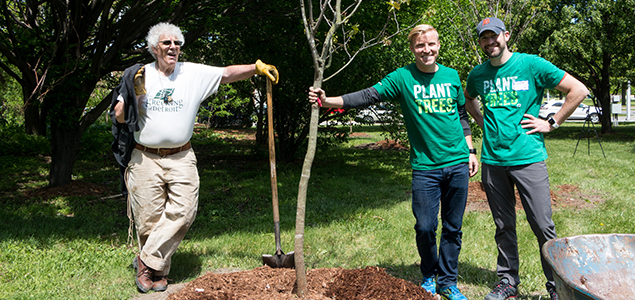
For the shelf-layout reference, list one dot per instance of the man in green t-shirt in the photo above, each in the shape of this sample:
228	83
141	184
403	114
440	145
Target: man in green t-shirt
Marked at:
510	86
441	154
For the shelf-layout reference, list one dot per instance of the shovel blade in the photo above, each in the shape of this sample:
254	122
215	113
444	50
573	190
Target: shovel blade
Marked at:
279	260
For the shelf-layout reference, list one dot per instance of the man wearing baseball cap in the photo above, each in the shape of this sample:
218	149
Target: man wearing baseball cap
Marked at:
510	87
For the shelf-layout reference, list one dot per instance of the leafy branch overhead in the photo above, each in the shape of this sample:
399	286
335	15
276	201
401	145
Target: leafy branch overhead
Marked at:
345	37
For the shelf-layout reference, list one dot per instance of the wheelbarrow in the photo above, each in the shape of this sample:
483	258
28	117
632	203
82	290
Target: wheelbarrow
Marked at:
600	266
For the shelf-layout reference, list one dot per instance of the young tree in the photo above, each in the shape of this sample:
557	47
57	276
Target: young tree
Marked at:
336	18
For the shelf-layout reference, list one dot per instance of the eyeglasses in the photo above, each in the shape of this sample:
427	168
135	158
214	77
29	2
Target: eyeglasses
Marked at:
169	42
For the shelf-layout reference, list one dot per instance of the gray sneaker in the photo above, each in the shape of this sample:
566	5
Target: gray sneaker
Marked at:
502	291
552	292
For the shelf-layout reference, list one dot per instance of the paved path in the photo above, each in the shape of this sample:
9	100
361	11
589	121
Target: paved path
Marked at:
172	289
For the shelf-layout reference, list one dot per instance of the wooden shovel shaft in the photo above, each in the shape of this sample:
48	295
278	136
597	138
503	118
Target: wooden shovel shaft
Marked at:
272	165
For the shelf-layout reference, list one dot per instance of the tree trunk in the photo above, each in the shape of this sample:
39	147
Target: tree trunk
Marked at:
64	151
300	269
605	117
604	93
34	118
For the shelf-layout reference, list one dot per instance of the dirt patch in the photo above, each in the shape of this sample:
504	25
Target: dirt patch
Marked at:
562	196
386	144
359	135
335	283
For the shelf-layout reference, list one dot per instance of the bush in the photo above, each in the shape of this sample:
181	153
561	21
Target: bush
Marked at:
96	141
14	141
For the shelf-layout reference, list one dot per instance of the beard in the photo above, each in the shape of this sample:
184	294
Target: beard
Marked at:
496	51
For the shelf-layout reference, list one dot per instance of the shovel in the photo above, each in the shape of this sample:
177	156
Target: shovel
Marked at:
279	259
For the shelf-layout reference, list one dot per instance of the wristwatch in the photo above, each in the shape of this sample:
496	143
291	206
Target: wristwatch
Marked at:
472	151
553	123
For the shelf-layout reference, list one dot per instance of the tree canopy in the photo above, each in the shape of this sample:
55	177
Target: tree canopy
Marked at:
592	40
58	52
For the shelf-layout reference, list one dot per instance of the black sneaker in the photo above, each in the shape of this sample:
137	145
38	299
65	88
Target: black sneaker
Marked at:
503	290
552	292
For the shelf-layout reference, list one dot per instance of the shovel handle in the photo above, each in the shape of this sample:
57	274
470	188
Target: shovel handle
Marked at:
272	165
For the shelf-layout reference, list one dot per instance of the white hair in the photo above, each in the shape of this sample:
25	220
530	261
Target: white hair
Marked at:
160	29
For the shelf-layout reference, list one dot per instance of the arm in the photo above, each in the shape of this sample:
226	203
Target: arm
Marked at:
472	106
467	131
473	163
119	112
319	94
237	73
576	92
359	99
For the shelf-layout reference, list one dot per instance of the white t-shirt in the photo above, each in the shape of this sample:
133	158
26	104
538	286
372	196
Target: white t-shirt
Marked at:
167	111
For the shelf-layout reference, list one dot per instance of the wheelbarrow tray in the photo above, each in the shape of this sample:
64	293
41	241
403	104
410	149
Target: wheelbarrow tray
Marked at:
600	266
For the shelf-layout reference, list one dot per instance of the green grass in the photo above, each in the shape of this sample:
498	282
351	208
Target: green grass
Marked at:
358	214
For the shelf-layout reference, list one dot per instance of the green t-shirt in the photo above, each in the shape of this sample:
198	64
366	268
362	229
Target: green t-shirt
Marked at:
429	106
507	93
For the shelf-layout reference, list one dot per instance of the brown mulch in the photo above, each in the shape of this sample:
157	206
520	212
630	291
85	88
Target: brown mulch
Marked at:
336	283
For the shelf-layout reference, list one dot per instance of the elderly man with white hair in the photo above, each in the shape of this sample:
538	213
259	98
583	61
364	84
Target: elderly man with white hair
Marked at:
161	174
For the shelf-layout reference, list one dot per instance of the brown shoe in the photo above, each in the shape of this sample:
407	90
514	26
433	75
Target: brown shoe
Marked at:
159	283
144	275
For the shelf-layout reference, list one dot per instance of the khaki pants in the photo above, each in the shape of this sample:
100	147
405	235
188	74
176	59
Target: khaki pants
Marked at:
163	195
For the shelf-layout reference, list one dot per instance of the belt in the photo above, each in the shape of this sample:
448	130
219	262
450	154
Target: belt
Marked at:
163	151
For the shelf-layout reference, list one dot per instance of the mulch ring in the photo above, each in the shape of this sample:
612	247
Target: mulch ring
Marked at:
335	283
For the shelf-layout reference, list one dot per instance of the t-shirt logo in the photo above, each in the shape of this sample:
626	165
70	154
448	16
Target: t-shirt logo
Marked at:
434	98
503	92
163	102
165	95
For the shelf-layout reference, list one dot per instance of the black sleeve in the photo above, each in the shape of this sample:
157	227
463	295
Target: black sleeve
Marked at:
360	99
464	120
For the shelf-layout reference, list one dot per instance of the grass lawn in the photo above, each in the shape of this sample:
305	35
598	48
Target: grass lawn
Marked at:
72	243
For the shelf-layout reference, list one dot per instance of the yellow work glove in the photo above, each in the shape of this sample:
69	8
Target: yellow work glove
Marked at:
267	70
140	82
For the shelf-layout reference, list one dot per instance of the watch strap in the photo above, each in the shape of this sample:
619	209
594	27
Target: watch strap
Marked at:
553	123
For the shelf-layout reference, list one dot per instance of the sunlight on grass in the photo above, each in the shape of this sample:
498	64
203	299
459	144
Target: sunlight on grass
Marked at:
358	214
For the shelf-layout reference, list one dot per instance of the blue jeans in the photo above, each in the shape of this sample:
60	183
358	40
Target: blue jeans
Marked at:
447	187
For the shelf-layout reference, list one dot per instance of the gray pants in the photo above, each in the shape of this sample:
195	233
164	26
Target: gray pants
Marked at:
532	182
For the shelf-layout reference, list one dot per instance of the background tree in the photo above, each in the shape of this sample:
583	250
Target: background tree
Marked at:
592	40
457	19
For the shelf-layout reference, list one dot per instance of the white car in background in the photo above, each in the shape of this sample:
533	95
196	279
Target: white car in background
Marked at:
374	114
550	108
